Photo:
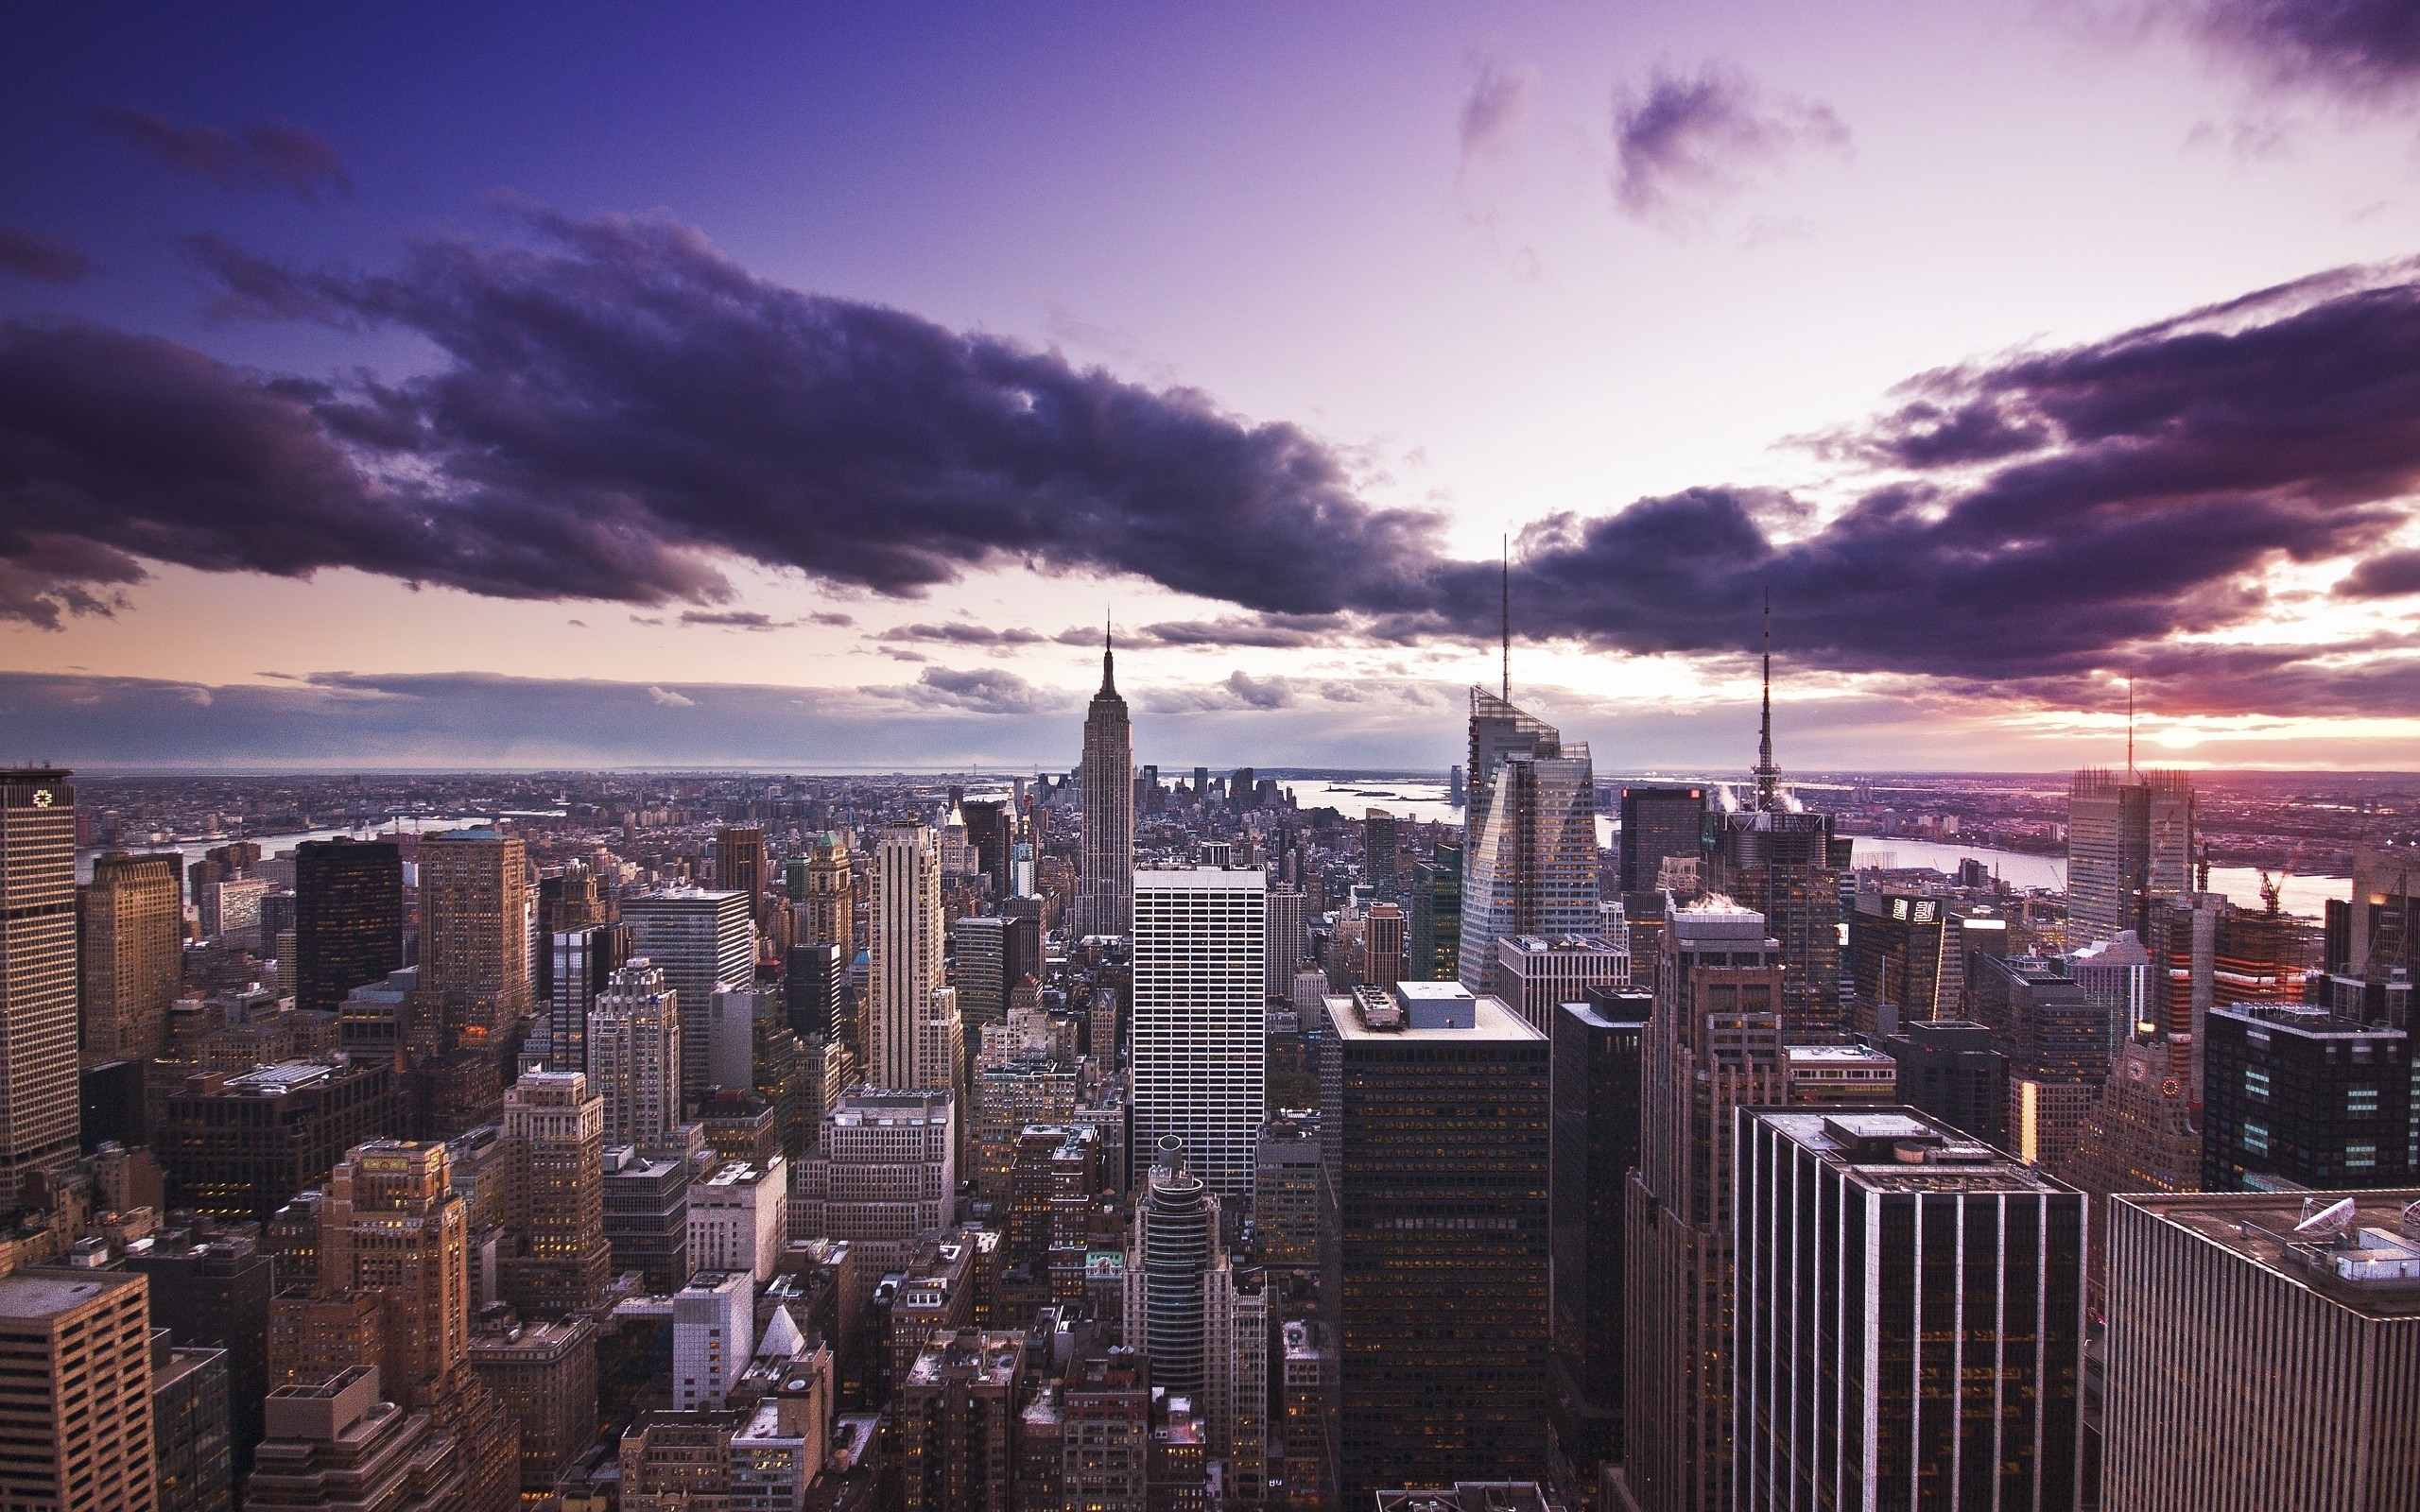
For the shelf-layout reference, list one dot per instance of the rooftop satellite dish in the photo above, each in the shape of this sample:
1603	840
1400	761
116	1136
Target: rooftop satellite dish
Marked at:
2324	1223
2411	1223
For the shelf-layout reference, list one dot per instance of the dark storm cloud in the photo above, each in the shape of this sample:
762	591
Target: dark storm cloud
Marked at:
618	408
2359	49
38	258
1687	140
2389	574
626	383
265	154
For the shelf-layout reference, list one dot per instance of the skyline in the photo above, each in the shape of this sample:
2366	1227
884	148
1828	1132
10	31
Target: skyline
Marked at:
491	393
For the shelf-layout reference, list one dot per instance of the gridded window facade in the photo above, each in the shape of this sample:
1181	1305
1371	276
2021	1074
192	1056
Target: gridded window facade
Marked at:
1199	1027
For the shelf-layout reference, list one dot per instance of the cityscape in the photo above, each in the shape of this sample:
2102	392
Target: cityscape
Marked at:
1053	758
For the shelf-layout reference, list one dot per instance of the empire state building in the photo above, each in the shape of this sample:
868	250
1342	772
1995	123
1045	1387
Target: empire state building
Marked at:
1105	886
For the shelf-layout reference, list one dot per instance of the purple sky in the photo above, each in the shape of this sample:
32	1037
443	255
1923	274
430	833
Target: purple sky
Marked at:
601	384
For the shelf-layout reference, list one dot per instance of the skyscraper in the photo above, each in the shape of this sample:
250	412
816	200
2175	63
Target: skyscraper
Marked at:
2057	1040
1538	975
1531	865
581	960
913	1038
1786	865
883	1174
1598	1058
831	899
1285	940
1198	1032
348	917
2130	846
1439	1100
1105	880
1910	1319
701	939
1950	1070
1713	1046
1379	844
978	951
1658	824
76	1391
190	1428
1382	946
635	1054
393	1227
714	1330
130	953
740	862
1433	936
2257	1359
475	933
2297	1094
1176	1228
38	1112
213	1296
555	1129
957	1411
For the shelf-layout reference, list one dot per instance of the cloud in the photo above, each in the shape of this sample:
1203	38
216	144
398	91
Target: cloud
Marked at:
983	690
2389	574
617	409
1687	141
831	617
953	634
1268	630
2358	50
38	258
735	619
263	154
617	412
665	697
1492	106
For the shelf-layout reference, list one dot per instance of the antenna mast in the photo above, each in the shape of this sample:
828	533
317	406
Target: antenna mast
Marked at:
1508	618
1767	771
2130	729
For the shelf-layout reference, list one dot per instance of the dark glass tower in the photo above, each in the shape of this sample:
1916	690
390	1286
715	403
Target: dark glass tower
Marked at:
1658	822
348	917
1439	1102
1599	1047
1435	933
2300	1096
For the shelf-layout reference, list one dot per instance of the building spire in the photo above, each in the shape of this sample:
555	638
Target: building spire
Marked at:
1768	772
2130	730
1108	661
1507	619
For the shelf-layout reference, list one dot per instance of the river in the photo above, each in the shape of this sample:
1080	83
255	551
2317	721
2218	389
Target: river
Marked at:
191	851
1425	802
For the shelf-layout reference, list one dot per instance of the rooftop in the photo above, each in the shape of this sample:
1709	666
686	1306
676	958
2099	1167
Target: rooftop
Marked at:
2315	1022
285	1077
35	1294
2359	1249
1901	1149
1558	945
1231	879
1490	1020
1836	1055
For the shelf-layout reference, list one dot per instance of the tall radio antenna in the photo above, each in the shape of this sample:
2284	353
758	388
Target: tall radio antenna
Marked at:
1508	618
